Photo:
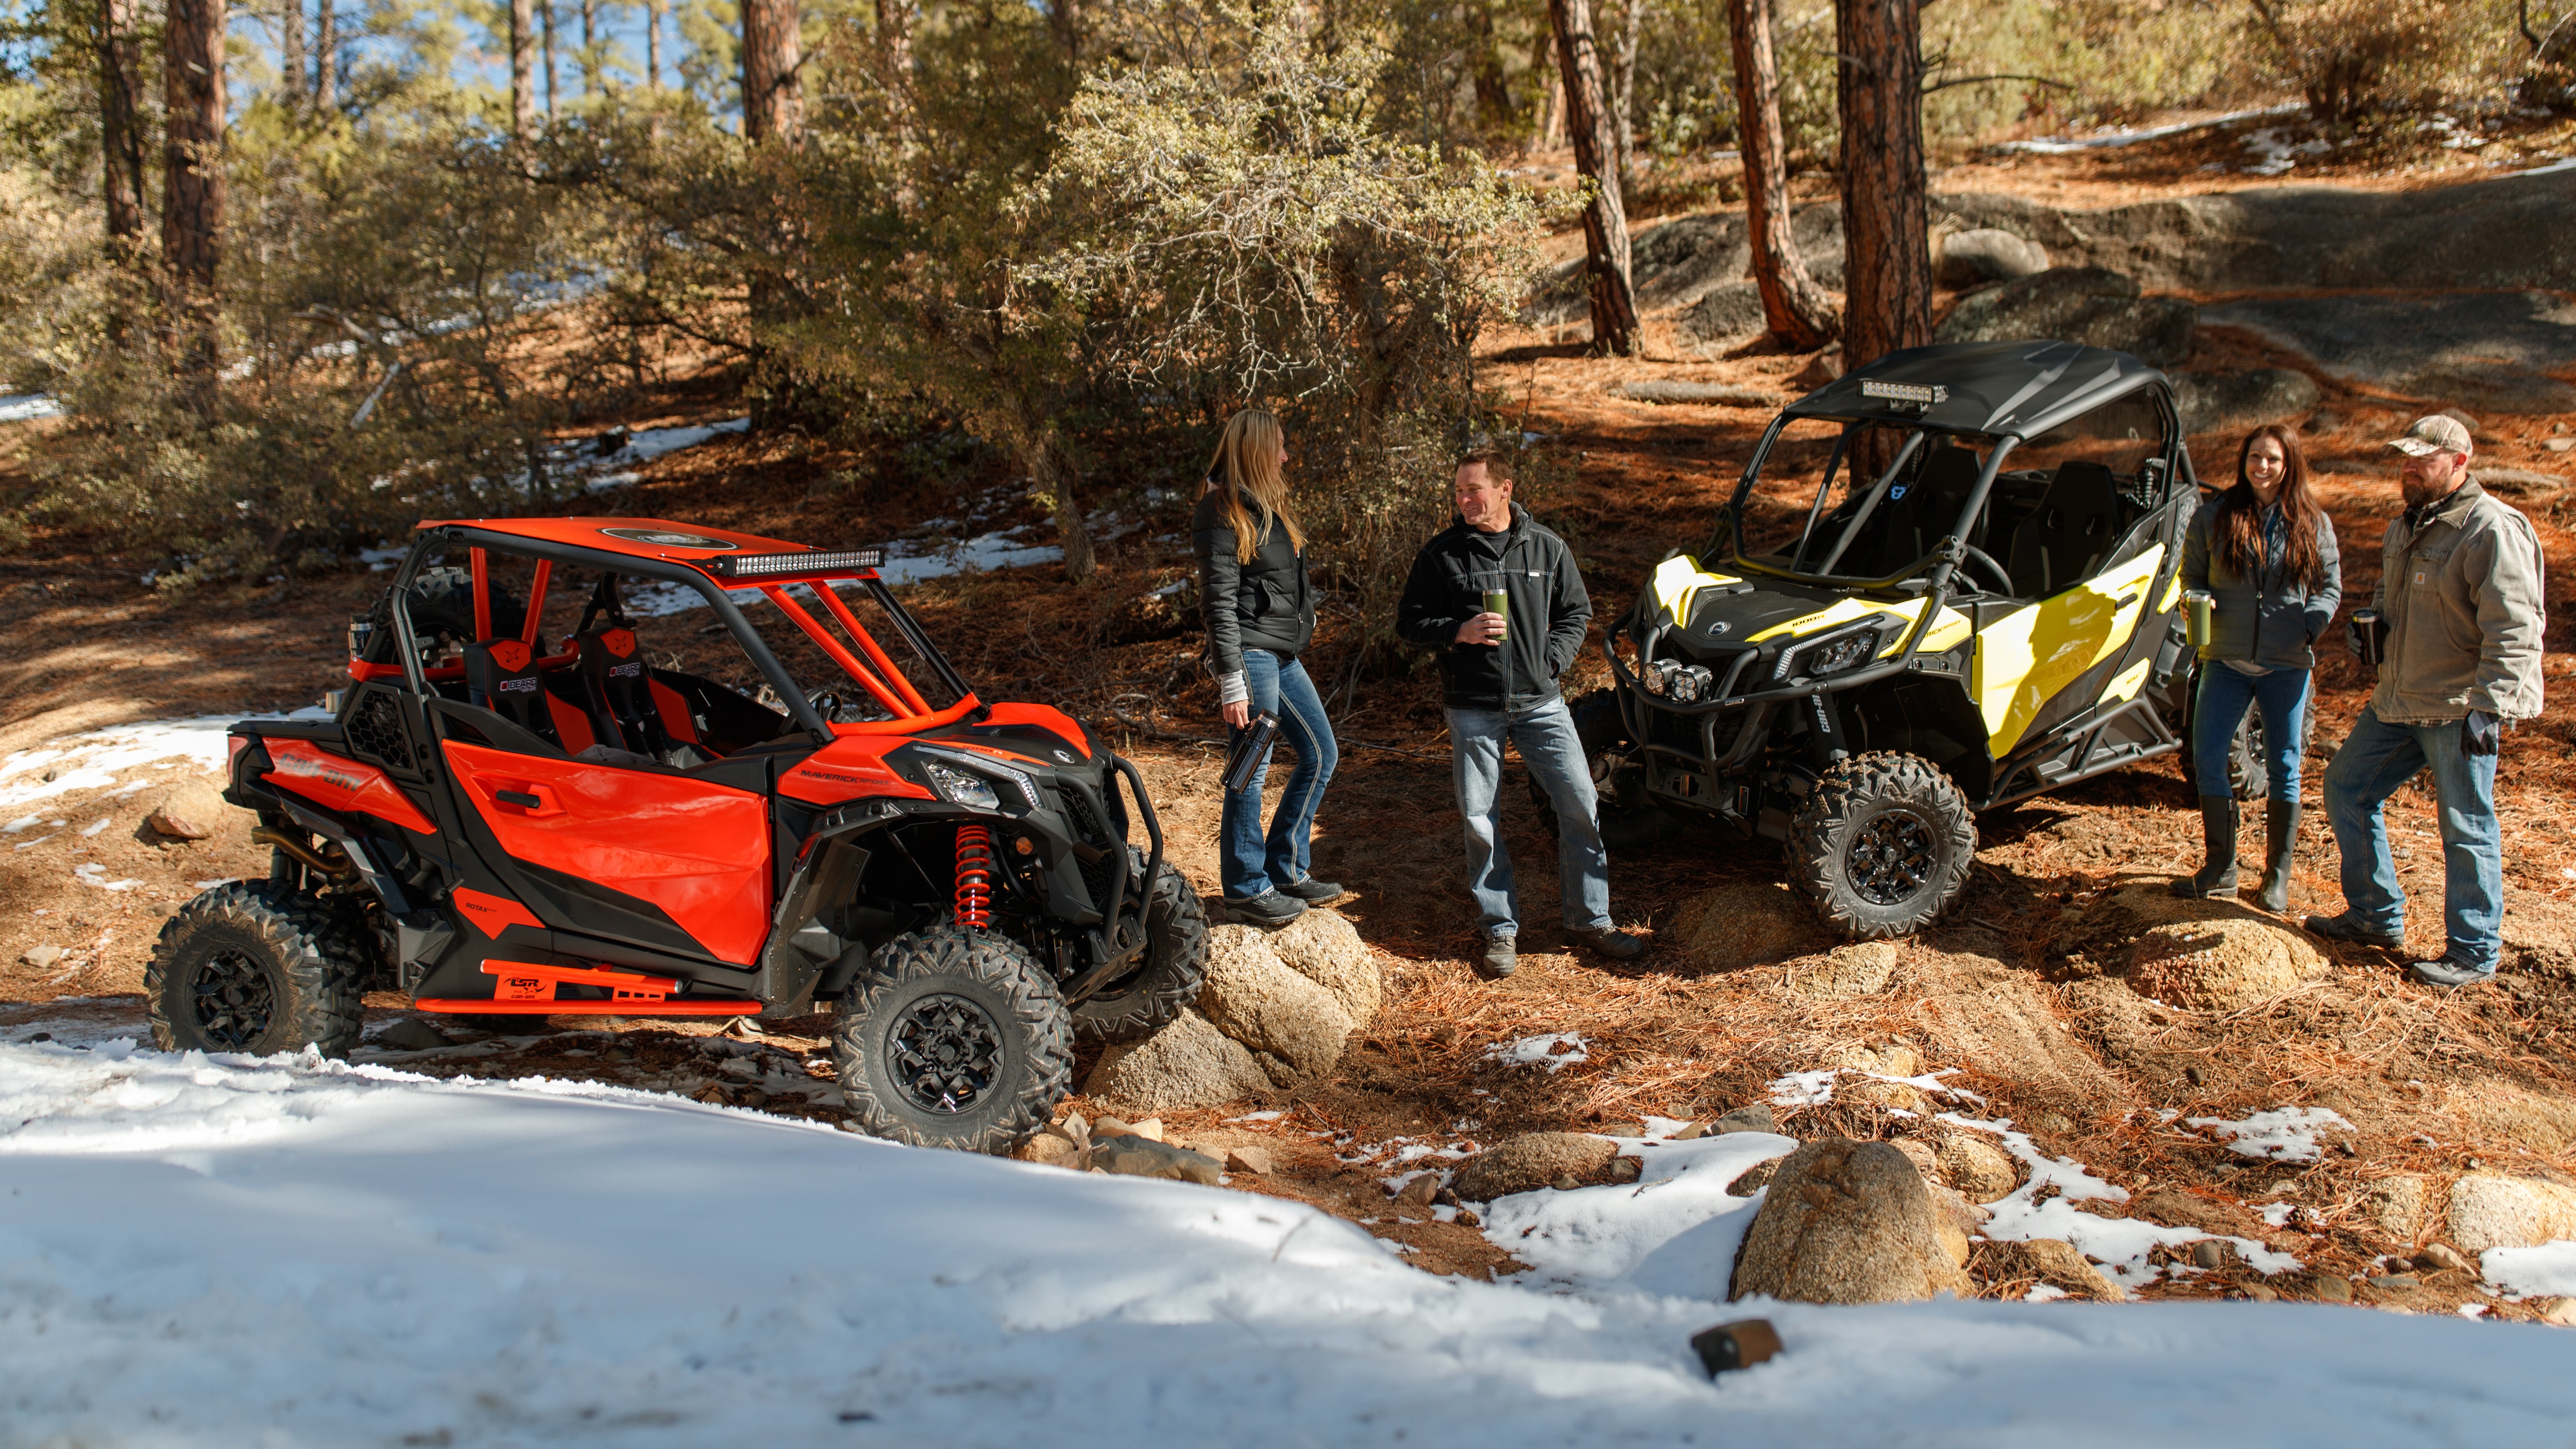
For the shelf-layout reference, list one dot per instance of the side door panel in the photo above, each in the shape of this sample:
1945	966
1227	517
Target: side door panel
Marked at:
622	852
2025	659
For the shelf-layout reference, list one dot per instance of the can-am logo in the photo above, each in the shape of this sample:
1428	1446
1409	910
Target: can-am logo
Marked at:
512	686
668	538
625	671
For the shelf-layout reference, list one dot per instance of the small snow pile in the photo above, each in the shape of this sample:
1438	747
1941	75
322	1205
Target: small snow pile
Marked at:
1816	1088
2113	140
2043	1207
92	761
2276	155
28	406
979	554
2548	1271
93	873
1555	1051
2284	1134
1675	1230
617	469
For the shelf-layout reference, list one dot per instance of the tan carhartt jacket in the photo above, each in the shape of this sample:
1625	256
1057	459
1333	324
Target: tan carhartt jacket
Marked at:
2461	593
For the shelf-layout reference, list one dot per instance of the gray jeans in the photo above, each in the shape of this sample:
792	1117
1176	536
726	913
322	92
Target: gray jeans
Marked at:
1554	755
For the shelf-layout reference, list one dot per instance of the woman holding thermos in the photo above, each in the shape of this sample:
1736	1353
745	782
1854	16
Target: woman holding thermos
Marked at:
2259	563
1260	616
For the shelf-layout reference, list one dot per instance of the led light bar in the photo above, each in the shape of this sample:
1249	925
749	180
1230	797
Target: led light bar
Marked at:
1920	394
780	565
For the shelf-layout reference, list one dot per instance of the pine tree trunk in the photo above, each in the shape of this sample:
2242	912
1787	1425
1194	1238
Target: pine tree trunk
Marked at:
192	181
1551	106
326	56
1887	257
120	126
894	32
653	43
1605	220
772	100
546	45
523	69
1623	91
1494	106
290	52
1794	308
589	46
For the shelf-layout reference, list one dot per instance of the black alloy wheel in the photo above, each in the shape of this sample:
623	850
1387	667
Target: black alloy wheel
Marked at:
946	1052
1891	858
230	1000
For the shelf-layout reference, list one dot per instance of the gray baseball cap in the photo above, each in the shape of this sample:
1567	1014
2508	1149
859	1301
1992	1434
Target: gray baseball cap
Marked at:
2436	434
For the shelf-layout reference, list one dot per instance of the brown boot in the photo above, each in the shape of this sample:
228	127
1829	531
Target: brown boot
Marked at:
2216	879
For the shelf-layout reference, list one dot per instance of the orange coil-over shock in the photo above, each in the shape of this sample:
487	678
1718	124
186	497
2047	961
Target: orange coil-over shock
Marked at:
975	863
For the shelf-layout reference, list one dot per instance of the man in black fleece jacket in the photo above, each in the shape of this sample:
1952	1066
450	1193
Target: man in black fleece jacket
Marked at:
1498	676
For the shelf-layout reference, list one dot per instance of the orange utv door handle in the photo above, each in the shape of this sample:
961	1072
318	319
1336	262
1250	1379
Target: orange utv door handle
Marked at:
534	799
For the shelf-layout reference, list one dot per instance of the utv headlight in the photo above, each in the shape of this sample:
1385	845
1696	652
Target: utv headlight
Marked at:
1848	652
1657	676
973	791
1690	684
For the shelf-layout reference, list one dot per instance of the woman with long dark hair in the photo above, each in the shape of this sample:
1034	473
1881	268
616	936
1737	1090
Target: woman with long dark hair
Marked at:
2265	553
1260	613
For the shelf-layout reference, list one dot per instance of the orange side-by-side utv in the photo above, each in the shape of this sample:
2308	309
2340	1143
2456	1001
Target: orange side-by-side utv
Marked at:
504	823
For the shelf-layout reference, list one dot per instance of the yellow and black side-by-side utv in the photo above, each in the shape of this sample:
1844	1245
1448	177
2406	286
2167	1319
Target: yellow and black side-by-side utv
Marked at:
1980	602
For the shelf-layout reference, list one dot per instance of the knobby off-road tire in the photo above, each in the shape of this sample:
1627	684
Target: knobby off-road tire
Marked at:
256	967
1882	845
1150	997
955	1039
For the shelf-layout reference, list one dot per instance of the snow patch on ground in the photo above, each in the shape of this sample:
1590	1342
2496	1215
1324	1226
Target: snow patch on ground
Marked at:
28	406
2044	1207
93	760
1675	1230
2548	1271
601	472
2112	140
374	1257
1555	1051
2284	1134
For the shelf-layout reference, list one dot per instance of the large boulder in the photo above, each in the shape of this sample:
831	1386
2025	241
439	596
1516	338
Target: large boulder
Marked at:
1874	1066
1531	1161
1985	254
1743	923
2198	954
1731	310
2056	1263
1294	1027
1847	1222
2092	305
2492	1210
1856	969
2211	401
1325	948
1975	1167
1187	1064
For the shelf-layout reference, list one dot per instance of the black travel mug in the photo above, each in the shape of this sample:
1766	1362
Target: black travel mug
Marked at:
1250	748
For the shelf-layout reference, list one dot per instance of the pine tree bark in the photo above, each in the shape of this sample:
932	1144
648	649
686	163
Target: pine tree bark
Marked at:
653	43
120	61
589	46
1605	220
523	69
546	49
1887	257
290	51
772	98
1551	106
192	182
1794	308
1623	91
326	56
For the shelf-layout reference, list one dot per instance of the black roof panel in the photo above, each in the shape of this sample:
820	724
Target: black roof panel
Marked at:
2021	388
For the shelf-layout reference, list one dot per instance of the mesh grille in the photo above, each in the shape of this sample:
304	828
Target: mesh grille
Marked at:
375	729
1095	873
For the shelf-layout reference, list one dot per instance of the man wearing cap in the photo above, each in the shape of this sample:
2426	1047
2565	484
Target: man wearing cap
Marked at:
2459	589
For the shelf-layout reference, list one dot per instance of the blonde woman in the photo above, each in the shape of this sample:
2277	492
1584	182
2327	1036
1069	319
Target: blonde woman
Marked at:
1260	617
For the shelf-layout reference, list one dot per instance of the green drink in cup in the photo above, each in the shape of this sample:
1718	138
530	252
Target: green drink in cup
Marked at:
1499	604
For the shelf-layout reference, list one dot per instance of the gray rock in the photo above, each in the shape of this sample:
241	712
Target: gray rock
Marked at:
2333	1288
175	826
1978	1169
2209	1253
1723	312
411	1034
1144	1157
1254	1160
1325	948
2492	1210
2211	401
1755	1118
1531	1161
2519	482
42	956
1847	1222
1254	997
2395	1282
2057	1262
2486	349
1988	254
2443	1258
1671	390
2091	305
1677	262
1187	1064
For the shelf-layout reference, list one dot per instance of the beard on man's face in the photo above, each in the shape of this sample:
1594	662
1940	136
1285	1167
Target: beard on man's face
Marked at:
2428	485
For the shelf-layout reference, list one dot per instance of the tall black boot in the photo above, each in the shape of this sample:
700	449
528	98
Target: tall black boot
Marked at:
2280	833
2217	877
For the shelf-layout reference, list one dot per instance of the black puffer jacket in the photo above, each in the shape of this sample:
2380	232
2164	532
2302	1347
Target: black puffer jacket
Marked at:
1264	604
2268	619
1549	611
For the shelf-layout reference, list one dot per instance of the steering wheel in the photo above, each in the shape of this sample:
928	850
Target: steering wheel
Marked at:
1978	555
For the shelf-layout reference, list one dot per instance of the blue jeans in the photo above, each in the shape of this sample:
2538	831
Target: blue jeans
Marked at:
1554	755
2282	695
2376	759
1253	863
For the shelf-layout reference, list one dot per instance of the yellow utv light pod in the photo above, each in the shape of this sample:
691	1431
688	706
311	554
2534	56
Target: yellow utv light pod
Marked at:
2025	658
